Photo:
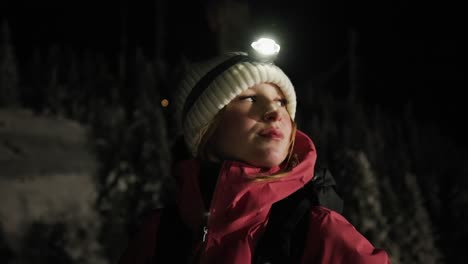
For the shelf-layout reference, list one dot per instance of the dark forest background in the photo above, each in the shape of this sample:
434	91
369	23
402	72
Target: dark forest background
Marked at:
379	90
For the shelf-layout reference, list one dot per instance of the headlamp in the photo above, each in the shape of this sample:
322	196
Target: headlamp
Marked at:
264	50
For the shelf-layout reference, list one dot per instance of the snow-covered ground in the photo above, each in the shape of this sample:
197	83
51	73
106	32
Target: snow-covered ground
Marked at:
46	176
37	145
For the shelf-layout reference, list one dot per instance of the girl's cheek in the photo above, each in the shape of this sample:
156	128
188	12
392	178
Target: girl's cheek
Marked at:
233	123
286	120
230	118
236	116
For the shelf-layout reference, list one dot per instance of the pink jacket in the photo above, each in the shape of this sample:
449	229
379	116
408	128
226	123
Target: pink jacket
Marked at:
239	214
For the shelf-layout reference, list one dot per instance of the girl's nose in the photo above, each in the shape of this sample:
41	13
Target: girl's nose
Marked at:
271	115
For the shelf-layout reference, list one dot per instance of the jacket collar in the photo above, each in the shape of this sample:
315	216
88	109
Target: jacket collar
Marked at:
237	198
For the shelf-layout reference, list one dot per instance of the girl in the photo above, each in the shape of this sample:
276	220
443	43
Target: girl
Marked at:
237	116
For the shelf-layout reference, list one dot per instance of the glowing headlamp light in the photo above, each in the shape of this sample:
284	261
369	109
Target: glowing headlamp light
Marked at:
264	50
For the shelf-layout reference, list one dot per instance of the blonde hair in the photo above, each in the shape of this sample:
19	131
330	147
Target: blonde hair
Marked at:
206	132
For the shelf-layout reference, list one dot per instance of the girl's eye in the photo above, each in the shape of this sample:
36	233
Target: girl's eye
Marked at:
282	102
250	98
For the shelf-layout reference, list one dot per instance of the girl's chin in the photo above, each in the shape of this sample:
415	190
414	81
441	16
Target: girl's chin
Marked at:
269	161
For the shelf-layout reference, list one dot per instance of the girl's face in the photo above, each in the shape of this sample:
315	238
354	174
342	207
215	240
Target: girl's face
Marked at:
254	128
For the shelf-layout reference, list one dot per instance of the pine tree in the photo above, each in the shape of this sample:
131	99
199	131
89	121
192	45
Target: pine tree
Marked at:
134	155
411	226
363	200
9	88
230	21
416	233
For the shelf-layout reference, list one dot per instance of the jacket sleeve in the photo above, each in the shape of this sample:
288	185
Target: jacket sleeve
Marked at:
142	245
332	239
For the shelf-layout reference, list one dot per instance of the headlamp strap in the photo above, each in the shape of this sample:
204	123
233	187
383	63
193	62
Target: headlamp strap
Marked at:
208	78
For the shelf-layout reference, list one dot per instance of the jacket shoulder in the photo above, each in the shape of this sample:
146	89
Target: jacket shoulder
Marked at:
326	218
331	232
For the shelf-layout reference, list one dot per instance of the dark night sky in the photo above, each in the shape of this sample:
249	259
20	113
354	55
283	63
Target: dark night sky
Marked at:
415	49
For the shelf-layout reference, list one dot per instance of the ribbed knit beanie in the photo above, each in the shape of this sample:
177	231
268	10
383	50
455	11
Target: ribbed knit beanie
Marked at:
209	86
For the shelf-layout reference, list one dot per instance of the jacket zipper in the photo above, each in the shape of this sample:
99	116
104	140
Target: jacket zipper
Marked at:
200	248
205	231
205	227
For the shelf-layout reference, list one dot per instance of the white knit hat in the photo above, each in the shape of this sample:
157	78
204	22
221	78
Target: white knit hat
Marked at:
209	86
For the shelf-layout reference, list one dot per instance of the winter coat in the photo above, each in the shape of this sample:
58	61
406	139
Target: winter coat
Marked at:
239	214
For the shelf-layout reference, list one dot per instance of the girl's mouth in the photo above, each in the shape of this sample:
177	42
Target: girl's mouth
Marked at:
272	133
